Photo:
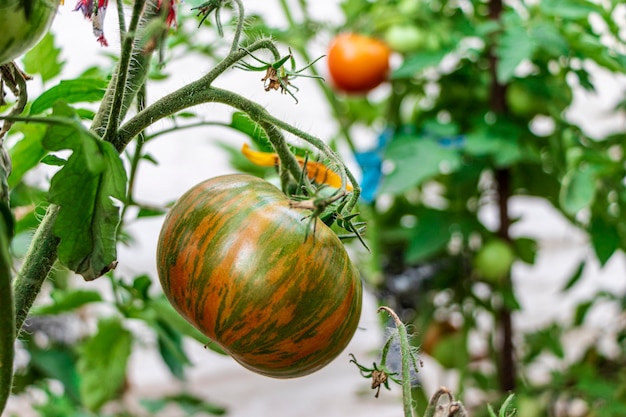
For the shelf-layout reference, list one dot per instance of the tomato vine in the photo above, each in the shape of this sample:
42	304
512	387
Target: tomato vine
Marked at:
109	124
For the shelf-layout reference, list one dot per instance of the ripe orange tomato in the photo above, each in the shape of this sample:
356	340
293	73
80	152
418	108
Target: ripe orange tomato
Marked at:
357	63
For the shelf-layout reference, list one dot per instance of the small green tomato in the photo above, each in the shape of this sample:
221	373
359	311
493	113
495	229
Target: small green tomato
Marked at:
493	261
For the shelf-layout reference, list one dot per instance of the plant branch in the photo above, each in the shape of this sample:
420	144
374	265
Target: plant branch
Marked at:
507	371
40	258
405	354
122	71
7	310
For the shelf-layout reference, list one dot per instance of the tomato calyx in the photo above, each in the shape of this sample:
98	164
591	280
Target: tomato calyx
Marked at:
277	76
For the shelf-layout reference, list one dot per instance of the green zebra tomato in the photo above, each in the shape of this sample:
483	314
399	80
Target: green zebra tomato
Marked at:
276	291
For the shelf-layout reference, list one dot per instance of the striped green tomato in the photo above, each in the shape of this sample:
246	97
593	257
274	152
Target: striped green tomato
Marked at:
276	292
22	24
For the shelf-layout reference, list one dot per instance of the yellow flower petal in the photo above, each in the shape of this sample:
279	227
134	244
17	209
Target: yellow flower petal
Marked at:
264	159
316	171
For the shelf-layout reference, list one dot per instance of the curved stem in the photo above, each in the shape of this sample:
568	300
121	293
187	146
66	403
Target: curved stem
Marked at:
405	353
239	29
197	92
331	96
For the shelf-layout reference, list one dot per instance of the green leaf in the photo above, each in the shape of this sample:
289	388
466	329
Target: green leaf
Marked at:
578	190
498	141
27	152
569	9
605	239
64	301
190	404
415	160
515	46
242	123
575	276
581	312
431	234
170	344
102	363
58	363
193	405
546	36
84	189
417	63
44	59
80	90
526	249
167	314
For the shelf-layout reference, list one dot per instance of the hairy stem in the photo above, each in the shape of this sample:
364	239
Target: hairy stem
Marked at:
405	354
239	28
117	101
7	311
40	258
7	317
122	71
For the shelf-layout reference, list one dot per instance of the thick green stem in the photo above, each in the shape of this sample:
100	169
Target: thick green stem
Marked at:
119	96
40	258
122	72
405	354
7	310
7	317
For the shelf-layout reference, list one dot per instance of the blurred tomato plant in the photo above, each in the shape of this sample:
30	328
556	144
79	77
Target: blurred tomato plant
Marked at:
473	118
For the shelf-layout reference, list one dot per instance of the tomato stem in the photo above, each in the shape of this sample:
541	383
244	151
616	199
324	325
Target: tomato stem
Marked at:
7	312
405	354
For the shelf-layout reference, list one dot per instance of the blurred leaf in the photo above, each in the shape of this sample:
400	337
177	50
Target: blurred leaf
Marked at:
578	190
84	189
190	404
605	238
431	234
102	363
546	339
546	36
581	312
44	59
526	249
79	90
150	212
27	152
141	286
171	348
65	301
242	123
569	9
242	164
515	45
415	64
193	405
498	141
575	276
166	312
58	363
415	160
